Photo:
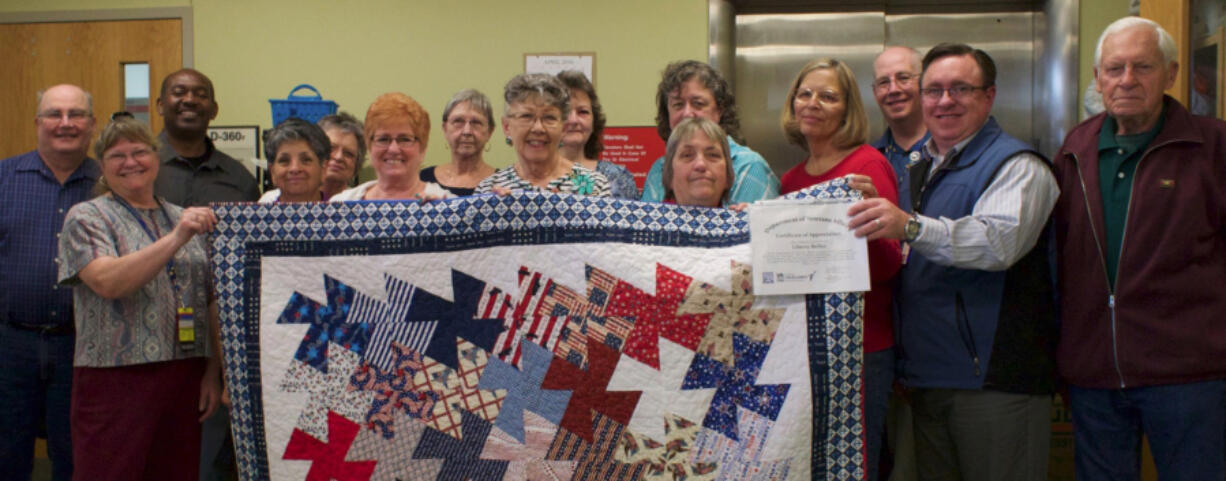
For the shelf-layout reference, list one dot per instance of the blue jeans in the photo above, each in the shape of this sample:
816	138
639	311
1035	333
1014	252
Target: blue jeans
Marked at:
878	383
1185	425
35	388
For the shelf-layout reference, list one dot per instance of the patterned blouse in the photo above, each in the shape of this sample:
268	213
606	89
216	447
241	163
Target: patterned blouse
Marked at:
621	181
142	327
582	181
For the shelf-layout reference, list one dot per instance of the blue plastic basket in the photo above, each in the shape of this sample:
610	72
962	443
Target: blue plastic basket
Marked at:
310	108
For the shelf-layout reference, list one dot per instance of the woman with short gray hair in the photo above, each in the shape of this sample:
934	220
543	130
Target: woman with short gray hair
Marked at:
294	150
348	138
536	107
468	123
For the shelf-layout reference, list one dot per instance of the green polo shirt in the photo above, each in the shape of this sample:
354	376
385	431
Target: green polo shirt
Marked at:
1117	162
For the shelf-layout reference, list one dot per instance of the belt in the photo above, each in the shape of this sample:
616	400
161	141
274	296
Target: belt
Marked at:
66	329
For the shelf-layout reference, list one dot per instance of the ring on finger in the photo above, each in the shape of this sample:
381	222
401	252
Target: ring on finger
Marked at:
877	222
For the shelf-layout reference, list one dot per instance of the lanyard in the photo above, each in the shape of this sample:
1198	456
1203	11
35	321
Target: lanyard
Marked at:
170	264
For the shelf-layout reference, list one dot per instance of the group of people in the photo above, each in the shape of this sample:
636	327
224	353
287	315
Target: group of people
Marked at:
998	275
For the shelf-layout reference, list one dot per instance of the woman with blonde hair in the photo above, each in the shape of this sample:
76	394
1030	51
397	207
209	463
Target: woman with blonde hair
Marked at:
825	117
147	358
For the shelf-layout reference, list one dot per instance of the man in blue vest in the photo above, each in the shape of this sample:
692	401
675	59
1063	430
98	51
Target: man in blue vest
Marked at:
976	315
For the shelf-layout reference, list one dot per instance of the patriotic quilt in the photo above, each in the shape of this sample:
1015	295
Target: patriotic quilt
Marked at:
527	337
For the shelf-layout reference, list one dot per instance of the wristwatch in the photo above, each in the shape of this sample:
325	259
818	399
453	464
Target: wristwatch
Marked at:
912	229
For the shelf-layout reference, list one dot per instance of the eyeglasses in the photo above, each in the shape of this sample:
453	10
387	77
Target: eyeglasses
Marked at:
458	123
121	115
56	115
957	92
138	154
547	120
825	97
901	79
385	141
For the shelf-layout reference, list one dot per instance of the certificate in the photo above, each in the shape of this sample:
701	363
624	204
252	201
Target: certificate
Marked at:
804	247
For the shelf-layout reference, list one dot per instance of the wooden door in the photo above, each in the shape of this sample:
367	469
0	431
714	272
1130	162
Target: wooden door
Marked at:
89	54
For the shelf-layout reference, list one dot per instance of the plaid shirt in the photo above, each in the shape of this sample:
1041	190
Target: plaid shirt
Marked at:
32	209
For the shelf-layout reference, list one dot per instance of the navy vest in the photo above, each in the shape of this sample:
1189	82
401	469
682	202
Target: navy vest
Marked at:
967	328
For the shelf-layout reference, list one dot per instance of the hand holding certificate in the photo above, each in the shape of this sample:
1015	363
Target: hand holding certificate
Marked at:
805	246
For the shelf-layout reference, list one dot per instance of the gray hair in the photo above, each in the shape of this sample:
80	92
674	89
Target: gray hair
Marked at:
475	99
547	87
686	129
346	122
292	129
917	57
89	99
1166	43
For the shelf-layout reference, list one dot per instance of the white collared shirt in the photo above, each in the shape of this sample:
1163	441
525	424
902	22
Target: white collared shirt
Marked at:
1005	222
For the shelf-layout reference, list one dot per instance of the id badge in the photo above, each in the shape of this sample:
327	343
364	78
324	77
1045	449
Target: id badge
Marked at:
187	327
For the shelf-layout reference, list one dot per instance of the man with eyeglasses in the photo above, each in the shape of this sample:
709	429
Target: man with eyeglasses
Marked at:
194	173
36	318
896	73
976	311
1141	230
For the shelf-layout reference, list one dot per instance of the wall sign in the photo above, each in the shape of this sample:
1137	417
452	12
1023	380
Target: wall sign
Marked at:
634	148
239	141
552	63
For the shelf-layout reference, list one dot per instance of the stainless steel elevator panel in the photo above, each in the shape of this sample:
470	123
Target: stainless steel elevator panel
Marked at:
771	49
1007	37
1035	54
1056	73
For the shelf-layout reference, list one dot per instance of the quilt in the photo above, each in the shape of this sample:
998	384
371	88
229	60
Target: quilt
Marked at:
527	337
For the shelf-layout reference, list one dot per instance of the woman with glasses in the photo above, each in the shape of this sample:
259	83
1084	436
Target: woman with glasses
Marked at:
397	131
536	107
582	133
147	358
294	149
824	116
468	123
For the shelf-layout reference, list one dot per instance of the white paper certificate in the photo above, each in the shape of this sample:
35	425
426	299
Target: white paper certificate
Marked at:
804	246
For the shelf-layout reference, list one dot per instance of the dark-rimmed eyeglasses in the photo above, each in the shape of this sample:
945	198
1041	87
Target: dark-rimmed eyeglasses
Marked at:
957	92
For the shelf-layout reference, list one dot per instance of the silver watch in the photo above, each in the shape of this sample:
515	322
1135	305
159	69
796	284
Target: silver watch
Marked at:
912	229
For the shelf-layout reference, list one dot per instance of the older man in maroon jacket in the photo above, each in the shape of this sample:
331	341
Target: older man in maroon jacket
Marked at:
1141	228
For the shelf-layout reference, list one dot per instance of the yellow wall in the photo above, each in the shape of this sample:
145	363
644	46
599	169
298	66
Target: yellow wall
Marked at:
1095	16
353	51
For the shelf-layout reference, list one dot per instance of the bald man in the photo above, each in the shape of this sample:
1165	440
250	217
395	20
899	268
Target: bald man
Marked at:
36	321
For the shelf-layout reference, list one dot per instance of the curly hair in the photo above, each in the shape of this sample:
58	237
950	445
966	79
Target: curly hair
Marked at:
544	86
678	73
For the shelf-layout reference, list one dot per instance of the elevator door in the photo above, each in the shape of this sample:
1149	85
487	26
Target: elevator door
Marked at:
772	48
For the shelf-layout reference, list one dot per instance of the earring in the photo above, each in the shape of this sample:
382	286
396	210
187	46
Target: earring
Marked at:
508	140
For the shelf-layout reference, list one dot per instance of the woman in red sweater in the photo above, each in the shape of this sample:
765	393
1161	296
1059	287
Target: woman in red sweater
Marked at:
825	117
